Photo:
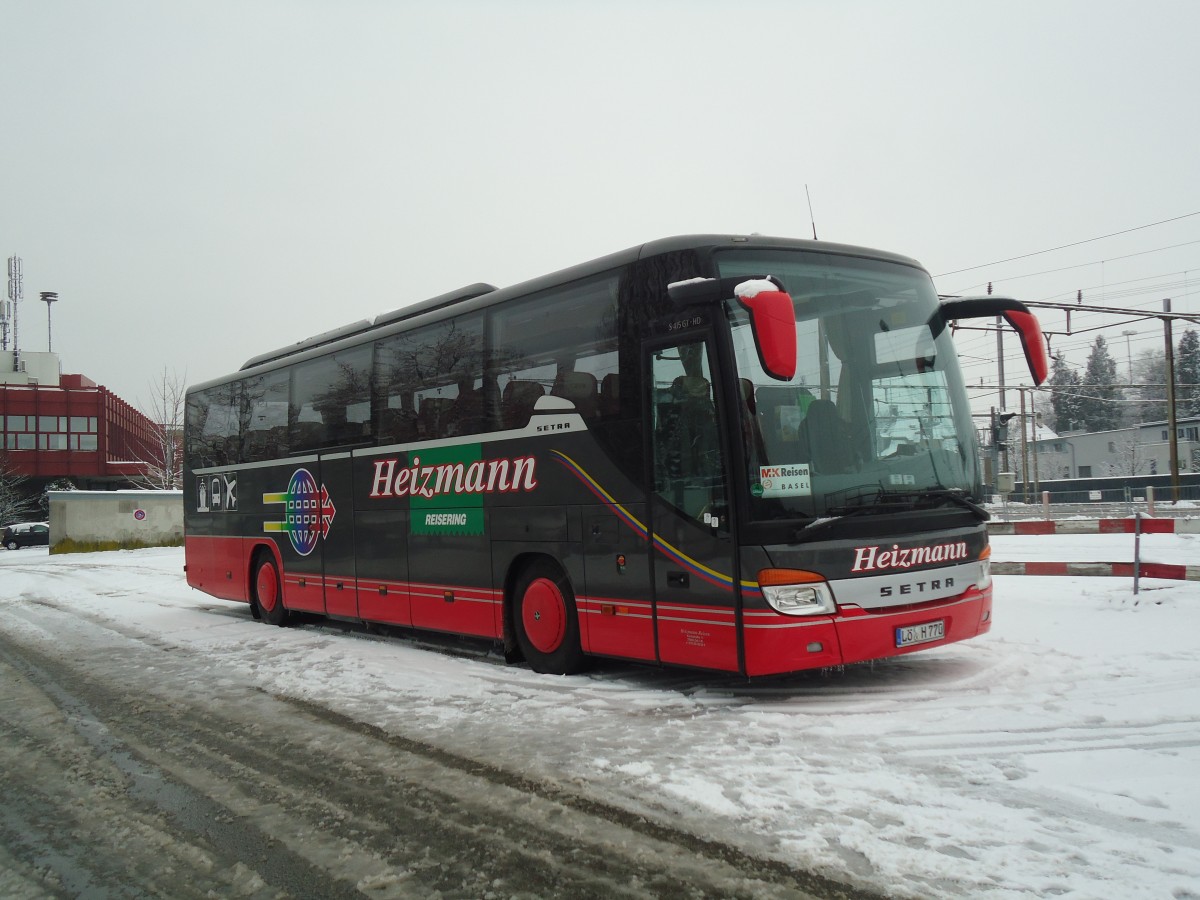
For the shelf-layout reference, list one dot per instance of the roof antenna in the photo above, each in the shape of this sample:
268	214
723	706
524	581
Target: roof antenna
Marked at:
810	212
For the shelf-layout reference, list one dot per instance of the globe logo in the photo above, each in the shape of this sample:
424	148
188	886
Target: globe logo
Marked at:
308	512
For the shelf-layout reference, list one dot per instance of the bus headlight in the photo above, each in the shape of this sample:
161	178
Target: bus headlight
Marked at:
985	570
795	592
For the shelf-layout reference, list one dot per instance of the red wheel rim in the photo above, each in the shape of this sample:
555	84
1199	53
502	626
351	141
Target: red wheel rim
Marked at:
544	615
267	587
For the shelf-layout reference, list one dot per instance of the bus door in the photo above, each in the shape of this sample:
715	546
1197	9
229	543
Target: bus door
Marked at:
691	543
335	499
449	545
381	539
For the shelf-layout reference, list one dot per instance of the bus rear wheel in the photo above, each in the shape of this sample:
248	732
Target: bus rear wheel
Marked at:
268	592
546	621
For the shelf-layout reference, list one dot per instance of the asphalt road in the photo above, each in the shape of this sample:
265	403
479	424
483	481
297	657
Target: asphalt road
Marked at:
133	769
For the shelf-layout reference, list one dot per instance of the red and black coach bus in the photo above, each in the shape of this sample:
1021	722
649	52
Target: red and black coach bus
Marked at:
744	454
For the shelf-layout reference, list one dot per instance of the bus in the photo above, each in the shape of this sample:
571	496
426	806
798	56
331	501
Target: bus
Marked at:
742	454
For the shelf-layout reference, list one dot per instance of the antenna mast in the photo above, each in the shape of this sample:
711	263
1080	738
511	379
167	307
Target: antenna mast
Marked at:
811	218
8	309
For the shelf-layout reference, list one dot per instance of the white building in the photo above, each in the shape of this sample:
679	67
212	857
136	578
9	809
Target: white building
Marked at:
1143	449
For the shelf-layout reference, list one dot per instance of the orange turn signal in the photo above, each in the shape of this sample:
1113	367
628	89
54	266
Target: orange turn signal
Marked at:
770	577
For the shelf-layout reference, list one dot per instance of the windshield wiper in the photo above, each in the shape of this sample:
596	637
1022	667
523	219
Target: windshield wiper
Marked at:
880	502
956	496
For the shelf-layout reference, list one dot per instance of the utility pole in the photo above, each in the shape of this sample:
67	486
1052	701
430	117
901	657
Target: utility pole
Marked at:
1024	452
995	433
999	352
1174	440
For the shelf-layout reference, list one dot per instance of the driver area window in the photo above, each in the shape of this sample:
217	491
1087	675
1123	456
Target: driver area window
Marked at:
688	468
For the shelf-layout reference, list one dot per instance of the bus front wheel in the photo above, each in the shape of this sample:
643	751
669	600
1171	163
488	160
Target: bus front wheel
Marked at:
545	620
268	593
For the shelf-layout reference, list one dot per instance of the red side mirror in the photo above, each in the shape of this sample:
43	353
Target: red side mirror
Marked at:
1017	315
1032	342
773	323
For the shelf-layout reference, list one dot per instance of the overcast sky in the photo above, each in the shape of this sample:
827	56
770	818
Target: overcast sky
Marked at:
204	181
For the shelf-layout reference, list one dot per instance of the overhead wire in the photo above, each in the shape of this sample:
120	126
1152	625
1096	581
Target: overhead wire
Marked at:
1086	265
1065	246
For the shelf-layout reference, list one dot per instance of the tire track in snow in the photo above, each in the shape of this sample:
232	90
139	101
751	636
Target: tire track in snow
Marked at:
268	785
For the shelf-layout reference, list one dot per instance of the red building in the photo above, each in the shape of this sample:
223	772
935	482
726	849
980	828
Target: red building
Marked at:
55	426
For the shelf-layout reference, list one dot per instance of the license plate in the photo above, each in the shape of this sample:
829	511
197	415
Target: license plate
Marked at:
920	634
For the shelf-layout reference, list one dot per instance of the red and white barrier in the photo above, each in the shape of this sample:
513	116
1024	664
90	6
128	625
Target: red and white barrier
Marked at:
1092	569
1095	526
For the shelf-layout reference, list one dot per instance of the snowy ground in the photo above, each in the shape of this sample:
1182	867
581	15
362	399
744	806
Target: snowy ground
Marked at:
1057	755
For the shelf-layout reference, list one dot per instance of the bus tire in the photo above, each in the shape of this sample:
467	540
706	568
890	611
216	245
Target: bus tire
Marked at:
267	591
546	621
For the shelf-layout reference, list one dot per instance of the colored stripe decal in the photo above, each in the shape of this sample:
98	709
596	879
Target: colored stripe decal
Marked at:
673	553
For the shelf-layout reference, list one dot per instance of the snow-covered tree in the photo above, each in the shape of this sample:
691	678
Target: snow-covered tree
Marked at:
1187	374
1098	402
58	484
1150	376
1064	385
15	502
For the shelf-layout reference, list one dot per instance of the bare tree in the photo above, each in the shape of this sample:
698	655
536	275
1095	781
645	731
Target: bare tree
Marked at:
1129	459
164	457
16	504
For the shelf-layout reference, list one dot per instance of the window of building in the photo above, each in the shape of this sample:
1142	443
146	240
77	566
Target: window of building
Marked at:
1085	471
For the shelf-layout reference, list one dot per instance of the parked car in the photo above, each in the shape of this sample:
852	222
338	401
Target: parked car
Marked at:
25	534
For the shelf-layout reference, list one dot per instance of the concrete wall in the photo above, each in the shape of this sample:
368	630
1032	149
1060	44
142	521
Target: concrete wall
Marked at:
149	518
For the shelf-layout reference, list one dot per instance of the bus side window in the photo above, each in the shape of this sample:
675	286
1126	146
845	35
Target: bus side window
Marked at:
580	388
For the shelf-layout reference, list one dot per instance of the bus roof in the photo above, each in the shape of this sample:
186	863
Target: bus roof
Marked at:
485	294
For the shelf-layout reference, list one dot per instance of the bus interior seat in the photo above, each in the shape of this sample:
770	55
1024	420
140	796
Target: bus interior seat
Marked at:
580	389
518	400
689	429
275	442
823	434
465	415
779	410
308	435
431	417
610	395
398	425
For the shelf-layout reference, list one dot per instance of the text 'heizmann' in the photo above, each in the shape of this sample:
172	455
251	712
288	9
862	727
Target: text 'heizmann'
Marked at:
485	476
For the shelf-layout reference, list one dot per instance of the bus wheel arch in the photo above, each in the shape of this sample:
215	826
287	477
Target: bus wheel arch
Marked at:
541	617
266	588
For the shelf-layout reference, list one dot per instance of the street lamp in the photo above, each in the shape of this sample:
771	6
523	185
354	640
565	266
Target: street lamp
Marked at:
1129	354
49	297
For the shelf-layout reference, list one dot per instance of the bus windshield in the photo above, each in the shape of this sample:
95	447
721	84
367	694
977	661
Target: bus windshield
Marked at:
875	413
